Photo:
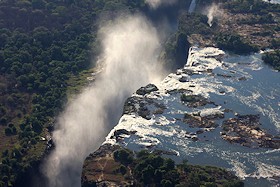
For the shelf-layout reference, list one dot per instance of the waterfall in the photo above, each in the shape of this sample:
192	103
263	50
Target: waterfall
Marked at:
192	6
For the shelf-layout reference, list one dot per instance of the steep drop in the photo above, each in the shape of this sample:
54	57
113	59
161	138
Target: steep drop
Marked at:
130	47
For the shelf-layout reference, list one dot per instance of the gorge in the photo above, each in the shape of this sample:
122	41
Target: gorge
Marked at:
148	92
193	143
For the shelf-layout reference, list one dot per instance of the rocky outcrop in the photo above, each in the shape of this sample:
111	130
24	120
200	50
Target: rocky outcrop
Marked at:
140	106
100	169
120	133
196	120
147	89
246	130
194	100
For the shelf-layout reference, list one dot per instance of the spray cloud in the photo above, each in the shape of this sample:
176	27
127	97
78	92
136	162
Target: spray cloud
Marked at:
130	47
213	11
156	3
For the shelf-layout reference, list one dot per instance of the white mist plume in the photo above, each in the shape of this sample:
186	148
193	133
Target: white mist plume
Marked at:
213	11
130	48
156	3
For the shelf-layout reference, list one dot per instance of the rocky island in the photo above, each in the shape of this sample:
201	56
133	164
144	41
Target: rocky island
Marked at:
246	130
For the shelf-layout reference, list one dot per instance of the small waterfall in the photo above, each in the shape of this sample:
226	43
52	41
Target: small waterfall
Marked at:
192	6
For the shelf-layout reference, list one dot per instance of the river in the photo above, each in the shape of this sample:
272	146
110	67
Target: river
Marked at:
247	87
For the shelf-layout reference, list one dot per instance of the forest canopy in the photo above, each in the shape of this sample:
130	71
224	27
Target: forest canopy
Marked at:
43	43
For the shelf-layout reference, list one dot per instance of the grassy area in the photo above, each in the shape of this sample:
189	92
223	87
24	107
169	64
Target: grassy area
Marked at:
14	108
78	82
7	142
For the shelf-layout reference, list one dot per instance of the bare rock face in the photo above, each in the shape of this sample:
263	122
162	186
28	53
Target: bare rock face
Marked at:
139	105
118	134
246	130
147	89
101	169
195	120
194	100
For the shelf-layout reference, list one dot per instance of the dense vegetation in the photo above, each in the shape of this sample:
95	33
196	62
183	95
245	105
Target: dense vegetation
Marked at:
251	6
43	43
257	13
196	24
253	25
234	43
272	59
150	169
176	47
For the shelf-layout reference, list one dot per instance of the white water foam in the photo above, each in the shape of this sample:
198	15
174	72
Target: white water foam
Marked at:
166	132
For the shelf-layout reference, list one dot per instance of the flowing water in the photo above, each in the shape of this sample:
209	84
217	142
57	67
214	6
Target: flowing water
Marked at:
273	1
192	6
256	93
259	94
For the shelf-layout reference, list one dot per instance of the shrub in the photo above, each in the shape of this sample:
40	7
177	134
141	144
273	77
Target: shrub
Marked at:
3	121
123	156
14	130
8	131
234	43
5	153
122	170
273	59
166	183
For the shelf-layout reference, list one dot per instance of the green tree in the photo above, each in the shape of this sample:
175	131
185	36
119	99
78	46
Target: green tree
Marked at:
123	156
38	4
